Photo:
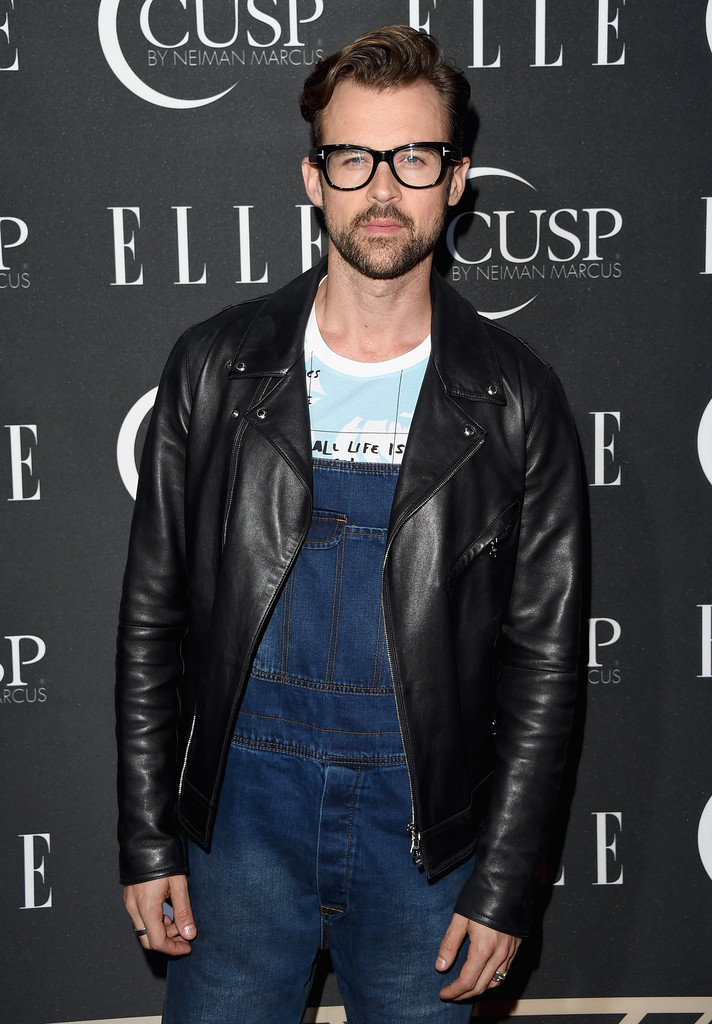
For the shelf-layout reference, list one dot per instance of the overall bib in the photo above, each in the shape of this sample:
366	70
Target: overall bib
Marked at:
311	848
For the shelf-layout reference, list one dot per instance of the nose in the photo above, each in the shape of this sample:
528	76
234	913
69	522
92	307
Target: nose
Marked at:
384	187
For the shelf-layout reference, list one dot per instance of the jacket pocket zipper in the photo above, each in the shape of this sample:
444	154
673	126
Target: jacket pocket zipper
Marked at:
493	546
489	541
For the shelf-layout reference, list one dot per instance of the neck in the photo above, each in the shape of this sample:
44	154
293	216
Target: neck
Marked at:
370	320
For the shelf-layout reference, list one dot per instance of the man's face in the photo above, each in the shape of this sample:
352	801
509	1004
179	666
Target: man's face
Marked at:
384	229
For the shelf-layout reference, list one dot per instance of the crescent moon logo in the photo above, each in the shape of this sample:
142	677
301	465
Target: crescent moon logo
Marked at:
704	442
109	39
704	838
708	23
126	442
500	172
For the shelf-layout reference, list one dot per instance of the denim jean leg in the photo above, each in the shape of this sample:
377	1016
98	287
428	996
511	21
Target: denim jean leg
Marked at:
385	943
254	899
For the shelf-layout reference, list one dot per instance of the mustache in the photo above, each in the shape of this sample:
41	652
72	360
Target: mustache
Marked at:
379	212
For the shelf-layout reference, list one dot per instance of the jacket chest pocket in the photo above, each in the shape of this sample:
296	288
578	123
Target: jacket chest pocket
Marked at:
488	542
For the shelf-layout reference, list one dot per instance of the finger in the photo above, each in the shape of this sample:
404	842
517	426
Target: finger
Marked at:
152	915
164	938
473	977
482	943
148	898
141	933
502	971
182	910
494	972
136	920
471	981
451	942
488	951
140	930
498	975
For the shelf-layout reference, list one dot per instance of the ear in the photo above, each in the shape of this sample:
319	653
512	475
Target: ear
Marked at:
458	182
312	182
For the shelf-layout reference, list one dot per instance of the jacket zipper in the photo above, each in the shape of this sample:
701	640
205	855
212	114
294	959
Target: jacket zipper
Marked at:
413	826
268	613
185	756
234	454
236	445
415	844
252	648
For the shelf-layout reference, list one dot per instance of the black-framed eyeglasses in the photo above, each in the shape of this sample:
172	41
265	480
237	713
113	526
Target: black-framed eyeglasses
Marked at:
415	165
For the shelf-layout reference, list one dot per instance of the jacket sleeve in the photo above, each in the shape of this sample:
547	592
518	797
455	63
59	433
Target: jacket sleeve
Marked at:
536	685
152	624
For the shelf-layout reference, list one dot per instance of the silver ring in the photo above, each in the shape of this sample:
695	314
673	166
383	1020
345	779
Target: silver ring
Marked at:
498	977
140	931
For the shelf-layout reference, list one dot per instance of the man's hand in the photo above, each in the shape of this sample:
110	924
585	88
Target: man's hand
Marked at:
489	951
144	903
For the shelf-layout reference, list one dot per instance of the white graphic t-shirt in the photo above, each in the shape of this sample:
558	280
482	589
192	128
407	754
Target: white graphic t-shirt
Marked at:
361	412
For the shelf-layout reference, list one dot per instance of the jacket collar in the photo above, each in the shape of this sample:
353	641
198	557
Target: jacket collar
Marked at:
443	435
462	350
274	339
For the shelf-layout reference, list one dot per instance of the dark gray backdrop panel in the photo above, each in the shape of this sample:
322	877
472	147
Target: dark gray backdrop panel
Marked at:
623	318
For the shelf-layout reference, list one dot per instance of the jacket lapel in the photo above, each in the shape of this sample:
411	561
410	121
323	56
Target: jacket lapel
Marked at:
463	369
444	434
272	348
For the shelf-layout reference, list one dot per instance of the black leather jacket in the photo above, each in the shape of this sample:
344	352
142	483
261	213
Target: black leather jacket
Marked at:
480	587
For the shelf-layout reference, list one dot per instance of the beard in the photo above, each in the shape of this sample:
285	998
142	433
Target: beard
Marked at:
386	257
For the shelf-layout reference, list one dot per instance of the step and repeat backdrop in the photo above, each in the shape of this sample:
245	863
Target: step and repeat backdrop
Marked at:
149	176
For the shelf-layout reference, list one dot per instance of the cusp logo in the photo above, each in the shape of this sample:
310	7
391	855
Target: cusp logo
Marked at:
484	172
109	39
180	35
507	251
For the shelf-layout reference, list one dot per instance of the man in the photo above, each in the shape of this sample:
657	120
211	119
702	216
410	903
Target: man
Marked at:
350	615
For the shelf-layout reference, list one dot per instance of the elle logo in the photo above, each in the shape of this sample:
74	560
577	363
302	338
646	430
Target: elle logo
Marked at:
708	223
606	469
609	870
24	483
9	58
608	48
35	845
128	270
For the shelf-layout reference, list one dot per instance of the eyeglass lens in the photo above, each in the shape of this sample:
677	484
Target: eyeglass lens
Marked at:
417	166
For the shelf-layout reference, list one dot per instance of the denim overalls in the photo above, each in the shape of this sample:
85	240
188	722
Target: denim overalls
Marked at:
311	848
321	682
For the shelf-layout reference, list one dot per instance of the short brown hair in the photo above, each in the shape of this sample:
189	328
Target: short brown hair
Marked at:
389	57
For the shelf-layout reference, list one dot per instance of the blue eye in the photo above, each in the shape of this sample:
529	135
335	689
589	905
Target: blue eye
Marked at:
349	160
